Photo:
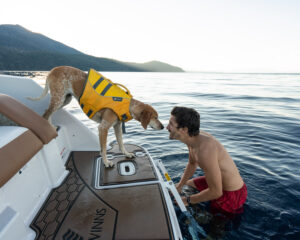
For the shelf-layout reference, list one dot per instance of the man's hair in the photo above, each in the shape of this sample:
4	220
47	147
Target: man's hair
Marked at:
187	117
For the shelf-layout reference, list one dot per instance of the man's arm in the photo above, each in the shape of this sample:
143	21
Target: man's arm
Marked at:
188	173
210	166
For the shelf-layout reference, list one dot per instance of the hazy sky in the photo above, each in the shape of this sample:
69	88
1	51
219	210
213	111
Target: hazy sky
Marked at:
198	35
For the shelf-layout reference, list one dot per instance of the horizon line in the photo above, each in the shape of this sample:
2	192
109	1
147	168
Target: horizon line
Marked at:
190	71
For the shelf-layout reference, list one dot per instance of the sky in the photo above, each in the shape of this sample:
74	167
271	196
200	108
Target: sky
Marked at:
196	35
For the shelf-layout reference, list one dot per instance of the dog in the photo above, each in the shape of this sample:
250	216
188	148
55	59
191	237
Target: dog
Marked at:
65	82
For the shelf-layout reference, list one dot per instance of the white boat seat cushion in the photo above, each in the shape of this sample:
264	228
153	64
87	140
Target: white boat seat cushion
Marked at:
9	133
17	146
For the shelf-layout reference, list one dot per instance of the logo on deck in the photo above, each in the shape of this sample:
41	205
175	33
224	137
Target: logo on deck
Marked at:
97	225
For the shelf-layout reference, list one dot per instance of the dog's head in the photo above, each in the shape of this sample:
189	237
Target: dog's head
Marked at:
148	116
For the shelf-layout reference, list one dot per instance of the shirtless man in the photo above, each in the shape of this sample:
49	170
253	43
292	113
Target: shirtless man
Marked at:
222	183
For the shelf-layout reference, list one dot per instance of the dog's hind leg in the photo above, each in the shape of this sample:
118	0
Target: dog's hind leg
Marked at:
118	133
55	106
52	108
56	102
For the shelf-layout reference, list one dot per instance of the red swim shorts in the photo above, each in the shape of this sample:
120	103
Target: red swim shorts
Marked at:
230	201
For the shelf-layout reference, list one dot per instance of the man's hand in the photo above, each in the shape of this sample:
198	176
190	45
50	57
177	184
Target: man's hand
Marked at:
184	201
183	198
178	187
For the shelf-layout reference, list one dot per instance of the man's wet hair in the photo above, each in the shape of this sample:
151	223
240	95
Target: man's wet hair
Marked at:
187	117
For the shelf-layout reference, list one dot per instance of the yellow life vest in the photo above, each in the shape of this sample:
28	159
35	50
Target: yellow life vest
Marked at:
100	92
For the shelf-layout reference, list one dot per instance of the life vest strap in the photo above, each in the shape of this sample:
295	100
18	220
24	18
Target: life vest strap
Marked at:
121	85
98	82
106	89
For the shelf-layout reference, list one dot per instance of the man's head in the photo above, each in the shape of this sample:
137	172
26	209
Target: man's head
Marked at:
183	120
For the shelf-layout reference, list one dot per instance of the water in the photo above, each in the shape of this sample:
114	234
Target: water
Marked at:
255	116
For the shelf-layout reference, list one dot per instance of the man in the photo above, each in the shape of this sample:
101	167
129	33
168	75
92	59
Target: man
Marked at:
221	183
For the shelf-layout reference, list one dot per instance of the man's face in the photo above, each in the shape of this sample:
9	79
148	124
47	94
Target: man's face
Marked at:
172	128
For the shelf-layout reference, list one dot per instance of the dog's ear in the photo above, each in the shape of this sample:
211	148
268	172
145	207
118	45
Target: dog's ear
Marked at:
145	118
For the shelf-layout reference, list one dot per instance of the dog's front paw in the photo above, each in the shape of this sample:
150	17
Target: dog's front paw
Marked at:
129	155
108	164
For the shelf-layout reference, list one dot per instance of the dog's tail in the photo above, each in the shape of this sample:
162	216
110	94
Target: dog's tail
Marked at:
44	93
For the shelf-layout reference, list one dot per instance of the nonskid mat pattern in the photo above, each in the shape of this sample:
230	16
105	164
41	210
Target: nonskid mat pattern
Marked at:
76	210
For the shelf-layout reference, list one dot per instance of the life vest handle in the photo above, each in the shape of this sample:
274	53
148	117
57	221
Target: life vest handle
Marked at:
128	92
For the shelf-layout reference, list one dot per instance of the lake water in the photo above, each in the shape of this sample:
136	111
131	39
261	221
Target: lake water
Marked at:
255	116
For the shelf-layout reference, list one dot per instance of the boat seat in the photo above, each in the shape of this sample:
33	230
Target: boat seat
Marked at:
17	146
25	117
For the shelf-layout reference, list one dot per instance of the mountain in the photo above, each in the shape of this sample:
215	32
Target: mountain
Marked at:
18	38
21	49
157	66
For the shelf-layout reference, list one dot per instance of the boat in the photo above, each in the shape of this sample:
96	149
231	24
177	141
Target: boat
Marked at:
53	184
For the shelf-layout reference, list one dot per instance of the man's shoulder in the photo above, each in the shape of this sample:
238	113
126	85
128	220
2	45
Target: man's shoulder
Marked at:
208	149
207	141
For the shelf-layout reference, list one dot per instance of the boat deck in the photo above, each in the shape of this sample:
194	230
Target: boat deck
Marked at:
94	202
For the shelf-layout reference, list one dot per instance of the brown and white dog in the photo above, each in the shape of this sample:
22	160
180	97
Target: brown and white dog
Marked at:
65	82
